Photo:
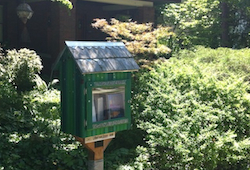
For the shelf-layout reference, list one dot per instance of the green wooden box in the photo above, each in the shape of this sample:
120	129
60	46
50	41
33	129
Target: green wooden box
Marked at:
95	80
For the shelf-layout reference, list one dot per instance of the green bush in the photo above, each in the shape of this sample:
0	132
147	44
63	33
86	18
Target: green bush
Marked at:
195	110
21	68
30	119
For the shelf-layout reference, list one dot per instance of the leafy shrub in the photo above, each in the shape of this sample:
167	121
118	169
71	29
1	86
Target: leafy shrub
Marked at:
21	67
195	111
122	150
30	118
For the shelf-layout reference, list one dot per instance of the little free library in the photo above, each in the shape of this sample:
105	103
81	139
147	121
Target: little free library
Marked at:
95	82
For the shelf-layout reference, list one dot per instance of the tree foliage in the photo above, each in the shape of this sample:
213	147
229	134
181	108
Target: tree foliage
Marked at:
196	22
200	22
140	39
67	3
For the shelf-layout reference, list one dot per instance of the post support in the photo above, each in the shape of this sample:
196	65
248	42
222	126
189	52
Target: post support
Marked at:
96	152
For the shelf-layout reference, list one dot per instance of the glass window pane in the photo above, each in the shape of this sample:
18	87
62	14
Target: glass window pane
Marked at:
108	103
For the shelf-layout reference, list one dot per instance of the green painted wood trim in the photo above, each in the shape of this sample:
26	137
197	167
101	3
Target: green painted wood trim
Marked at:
62	95
82	107
89	105
128	100
68	96
93	132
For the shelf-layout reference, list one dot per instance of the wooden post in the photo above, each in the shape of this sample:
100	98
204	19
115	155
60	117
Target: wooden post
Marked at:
96	152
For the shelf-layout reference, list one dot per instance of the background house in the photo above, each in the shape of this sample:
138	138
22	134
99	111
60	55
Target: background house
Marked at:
52	23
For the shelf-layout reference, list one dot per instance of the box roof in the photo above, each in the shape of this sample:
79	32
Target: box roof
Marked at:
101	57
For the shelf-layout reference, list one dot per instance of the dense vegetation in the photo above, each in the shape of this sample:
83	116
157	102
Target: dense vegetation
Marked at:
195	110
30	120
